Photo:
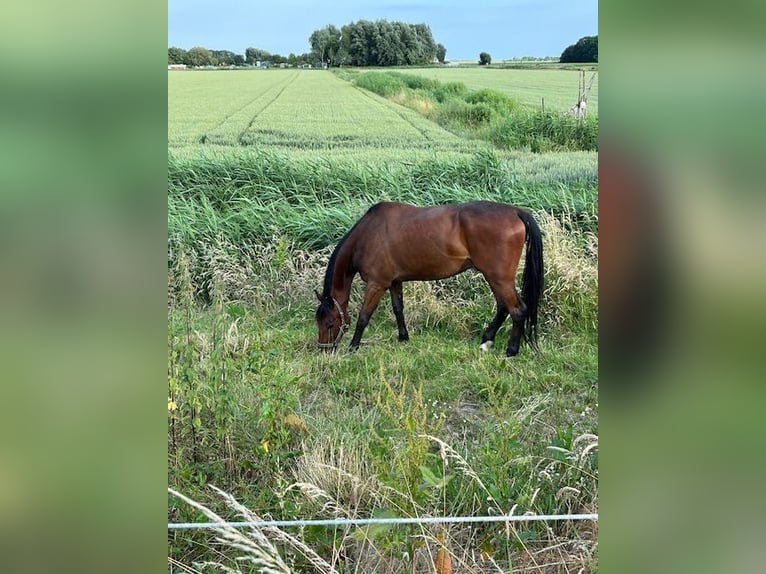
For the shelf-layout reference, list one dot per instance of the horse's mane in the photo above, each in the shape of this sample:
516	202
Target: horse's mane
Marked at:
327	287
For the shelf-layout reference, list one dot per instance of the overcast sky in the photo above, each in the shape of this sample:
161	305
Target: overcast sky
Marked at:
504	28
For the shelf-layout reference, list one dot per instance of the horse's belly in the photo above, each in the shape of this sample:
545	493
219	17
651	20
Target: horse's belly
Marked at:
435	270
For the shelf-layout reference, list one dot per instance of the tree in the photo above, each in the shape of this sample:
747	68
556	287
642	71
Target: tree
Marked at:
379	43
199	56
426	46
253	55
584	51
441	53
485	59
325	44
224	56
389	51
177	56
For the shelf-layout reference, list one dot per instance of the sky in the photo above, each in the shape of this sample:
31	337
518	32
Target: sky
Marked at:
504	29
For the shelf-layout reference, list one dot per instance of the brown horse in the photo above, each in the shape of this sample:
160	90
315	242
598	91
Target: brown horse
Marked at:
396	242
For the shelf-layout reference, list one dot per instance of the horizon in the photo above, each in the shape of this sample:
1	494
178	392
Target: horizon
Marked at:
504	29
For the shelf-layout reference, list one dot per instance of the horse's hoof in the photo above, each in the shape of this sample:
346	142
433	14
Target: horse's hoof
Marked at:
486	345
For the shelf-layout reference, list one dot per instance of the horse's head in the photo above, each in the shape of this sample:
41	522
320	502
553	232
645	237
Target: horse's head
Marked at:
331	322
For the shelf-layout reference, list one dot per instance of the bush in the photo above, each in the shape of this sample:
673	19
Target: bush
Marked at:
380	83
415	82
459	113
499	102
449	90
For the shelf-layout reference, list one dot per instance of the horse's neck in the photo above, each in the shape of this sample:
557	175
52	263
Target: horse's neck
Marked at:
343	273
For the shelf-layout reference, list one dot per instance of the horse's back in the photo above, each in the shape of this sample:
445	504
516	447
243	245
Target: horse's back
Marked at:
402	222
475	209
406	242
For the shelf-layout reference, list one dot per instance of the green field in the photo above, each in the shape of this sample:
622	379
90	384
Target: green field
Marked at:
293	110
266	172
559	88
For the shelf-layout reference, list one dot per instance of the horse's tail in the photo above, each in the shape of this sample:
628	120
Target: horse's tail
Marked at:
532	281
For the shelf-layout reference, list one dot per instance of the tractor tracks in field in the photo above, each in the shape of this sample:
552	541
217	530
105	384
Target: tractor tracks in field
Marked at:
284	86
211	135
394	108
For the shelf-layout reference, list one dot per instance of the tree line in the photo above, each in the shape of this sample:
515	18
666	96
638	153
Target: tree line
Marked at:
199	56
362	43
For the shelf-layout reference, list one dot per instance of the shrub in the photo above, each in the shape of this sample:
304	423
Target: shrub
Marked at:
498	101
415	82
449	90
380	83
459	113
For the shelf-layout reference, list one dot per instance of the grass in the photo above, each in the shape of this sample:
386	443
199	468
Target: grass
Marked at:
363	443
431	427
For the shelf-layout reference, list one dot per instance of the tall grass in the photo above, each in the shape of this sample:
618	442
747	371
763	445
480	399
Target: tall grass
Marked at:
549	183
544	131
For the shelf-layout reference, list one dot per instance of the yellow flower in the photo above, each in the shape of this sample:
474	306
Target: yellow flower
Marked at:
265	445
171	405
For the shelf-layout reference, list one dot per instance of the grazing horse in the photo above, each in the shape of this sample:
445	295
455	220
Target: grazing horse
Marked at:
397	242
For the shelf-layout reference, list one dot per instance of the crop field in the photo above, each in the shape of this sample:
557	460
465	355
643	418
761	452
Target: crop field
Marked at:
267	170
559	88
252	109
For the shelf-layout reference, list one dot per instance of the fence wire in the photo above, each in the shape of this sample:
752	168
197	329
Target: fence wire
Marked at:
339	522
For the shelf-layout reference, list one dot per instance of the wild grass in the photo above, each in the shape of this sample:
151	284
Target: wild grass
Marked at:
547	182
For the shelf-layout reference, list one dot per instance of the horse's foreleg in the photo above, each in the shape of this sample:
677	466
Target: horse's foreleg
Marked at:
397	301
372	295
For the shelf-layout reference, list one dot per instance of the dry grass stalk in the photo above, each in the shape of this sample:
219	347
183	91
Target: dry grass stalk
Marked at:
258	549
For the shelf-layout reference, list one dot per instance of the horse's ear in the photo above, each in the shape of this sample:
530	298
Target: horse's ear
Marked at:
319	297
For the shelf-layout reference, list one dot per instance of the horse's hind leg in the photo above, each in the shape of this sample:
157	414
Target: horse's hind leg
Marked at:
397	302
518	314
488	338
506	294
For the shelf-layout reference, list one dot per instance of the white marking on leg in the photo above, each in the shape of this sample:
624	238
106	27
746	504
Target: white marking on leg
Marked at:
487	345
